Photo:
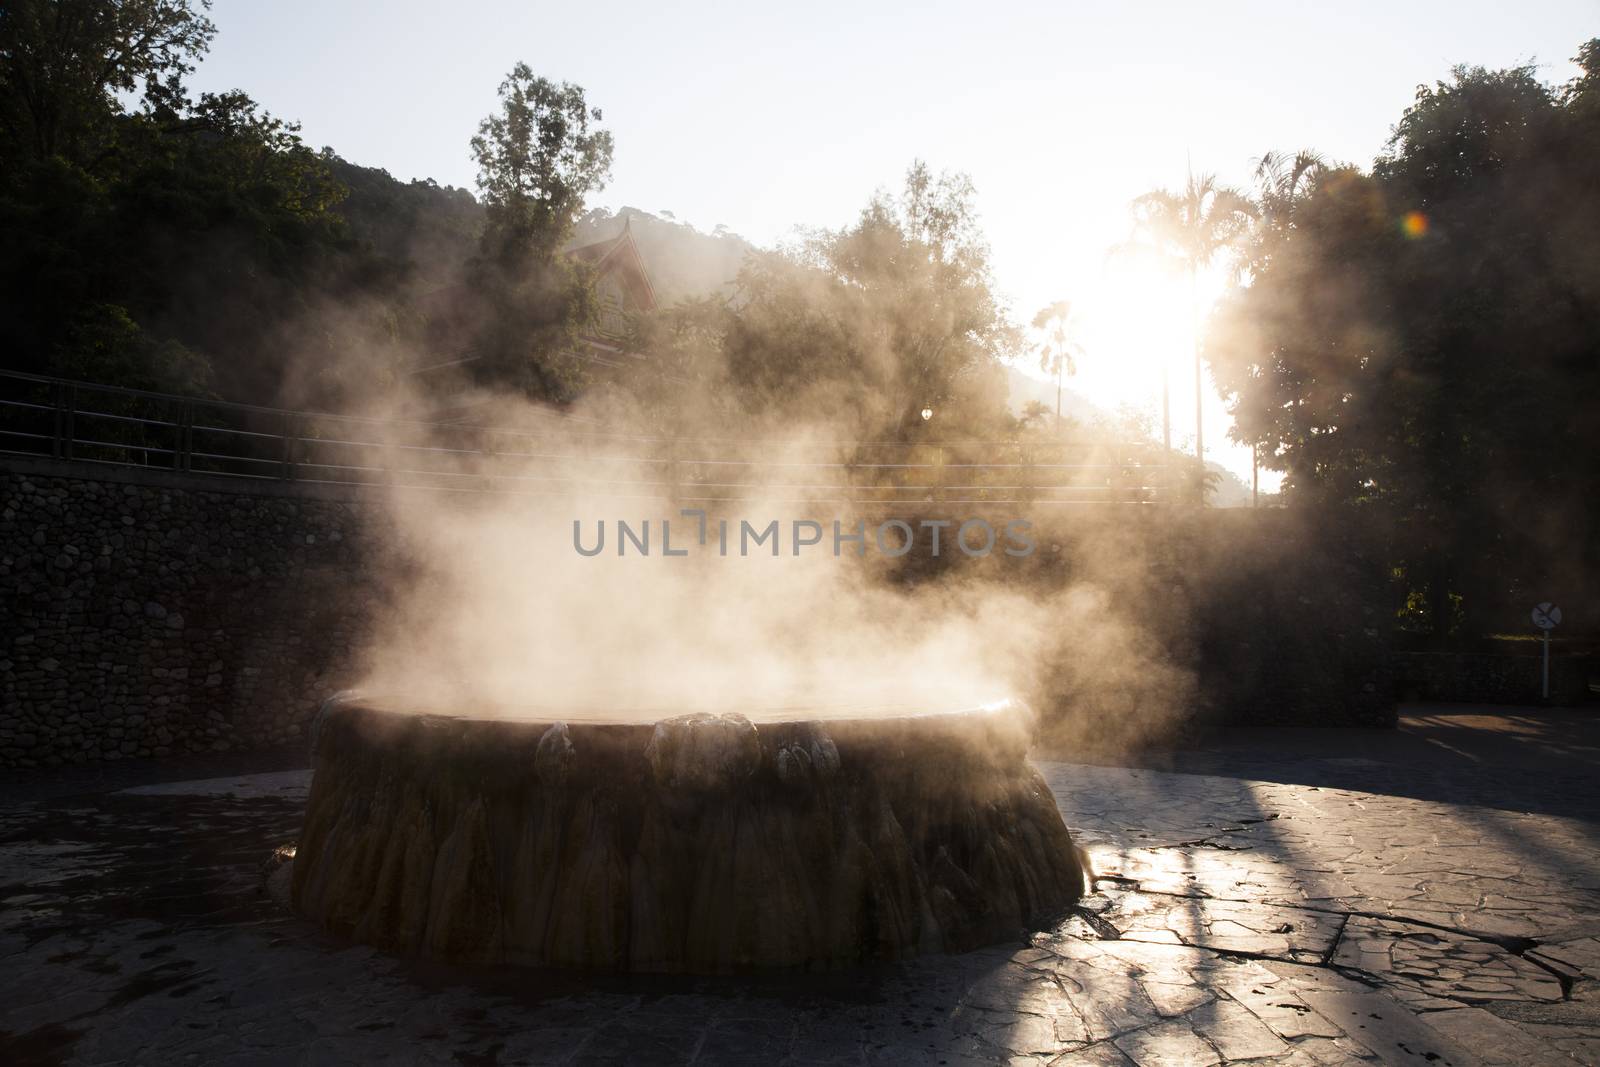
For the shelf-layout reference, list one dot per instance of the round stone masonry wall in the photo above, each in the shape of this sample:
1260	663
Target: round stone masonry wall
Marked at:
701	843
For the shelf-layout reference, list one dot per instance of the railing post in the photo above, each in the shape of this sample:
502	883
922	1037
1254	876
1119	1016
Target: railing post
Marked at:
938	474
288	449
183	444
69	408
57	422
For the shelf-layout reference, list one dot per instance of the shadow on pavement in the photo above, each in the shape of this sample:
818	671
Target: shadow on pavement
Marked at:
1518	759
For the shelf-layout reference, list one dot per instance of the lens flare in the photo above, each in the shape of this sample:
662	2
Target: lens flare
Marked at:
1414	224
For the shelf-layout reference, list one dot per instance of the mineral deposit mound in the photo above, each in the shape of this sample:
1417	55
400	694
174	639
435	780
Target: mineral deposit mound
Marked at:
792	838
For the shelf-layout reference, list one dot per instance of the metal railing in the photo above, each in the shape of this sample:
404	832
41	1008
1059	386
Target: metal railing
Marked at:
555	456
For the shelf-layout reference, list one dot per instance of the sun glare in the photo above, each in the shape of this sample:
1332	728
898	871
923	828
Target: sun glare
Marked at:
1132	323
1135	321
1144	325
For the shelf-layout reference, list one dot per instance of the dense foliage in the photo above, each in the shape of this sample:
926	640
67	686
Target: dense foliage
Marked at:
1421	342
196	244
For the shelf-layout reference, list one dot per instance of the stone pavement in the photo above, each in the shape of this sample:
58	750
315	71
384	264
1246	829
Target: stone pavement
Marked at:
1427	896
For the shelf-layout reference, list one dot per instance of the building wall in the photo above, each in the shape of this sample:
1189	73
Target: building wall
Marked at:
613	306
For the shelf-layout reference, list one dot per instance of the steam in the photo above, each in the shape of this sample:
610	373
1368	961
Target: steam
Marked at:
503	614
493	612
489	610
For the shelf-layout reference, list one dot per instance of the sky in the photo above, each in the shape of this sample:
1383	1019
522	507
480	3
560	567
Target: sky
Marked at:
767	117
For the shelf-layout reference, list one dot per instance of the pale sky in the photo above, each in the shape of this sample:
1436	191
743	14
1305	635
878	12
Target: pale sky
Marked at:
763	117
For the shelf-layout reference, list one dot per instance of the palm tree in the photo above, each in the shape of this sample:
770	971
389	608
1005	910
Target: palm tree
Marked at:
1055	356
1282	183
1189	229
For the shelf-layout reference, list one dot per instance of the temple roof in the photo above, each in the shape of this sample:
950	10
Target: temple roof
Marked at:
620	255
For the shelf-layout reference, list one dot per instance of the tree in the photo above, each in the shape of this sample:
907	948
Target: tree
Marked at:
1189	229
1035	412
538	157
1427	346
1457	135
537	160
1056	356
1282	183
205	224
914	273
861	328
879	321
64	62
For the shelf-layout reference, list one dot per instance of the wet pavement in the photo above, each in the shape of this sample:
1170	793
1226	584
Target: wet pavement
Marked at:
1430	895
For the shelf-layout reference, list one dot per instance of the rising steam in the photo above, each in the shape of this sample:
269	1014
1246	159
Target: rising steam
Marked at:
493	612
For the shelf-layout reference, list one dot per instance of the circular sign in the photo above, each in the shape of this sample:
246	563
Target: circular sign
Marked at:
1547	616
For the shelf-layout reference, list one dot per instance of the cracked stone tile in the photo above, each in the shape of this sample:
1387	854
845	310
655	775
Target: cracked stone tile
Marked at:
1112	1004
1235	1031
1442	963
1026	1035
1223	925
1387	1030
1172	1043
1280	1010
1329	1052
1017	990
1576	954
1104	1054
1170	999
1493	1040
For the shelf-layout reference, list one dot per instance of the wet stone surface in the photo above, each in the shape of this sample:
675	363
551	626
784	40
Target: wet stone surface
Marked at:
1238	916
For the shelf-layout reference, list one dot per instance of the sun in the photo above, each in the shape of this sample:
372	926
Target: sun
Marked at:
1135	323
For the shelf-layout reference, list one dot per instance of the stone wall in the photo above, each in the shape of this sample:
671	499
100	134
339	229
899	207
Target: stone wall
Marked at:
152	615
